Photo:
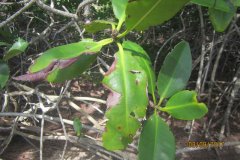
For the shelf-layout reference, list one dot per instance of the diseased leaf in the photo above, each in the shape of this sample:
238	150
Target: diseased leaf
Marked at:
4	74
216	4
73	70
144	61
184	106
98	25
119	8
221	20
64	62
128	100
175	71
142	14
156	141
65	52
77	125
17	48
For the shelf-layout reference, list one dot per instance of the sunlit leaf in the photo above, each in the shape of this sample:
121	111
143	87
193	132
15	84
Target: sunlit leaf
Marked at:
144	61
142	14
98	25
175	71
156	141
4	74
184	106
128	100
77	125
17	48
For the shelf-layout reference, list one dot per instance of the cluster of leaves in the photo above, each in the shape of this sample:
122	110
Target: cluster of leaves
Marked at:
131	77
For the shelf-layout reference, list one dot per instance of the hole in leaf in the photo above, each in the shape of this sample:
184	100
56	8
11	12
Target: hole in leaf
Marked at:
132	114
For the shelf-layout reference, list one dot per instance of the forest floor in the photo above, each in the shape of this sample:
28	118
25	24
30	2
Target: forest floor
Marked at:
25	148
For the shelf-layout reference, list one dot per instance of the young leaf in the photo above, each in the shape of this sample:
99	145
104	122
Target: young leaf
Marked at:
119	8
144	61
221	20
184	106
98	25
4	74
175	71
77	125
156	140
16	49
128	100
142	14
216	4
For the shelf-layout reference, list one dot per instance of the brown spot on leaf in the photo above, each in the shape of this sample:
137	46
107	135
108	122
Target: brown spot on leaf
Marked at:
113	99
119	127
137	82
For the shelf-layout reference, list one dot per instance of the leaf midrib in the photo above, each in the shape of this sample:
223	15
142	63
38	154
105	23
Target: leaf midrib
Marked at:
122	60
144	16
169	108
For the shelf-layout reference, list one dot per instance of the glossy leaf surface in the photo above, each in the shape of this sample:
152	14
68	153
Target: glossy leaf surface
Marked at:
175	71
156	141
17	48
144	61
98	25
128	100
4	73
142	14
184	106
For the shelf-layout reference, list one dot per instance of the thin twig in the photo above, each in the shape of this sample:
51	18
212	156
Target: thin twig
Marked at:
17	13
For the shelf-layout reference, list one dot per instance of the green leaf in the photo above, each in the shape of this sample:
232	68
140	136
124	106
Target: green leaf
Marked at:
221	20
119	8
64	62
216	4
127	101
77	125
184	106
142	14
4	44
156	141
175	71
236	3
74	70
144	61
17	48
67	52
98	25
4	73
